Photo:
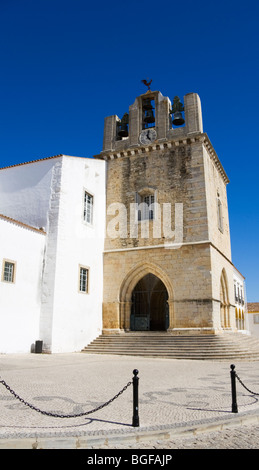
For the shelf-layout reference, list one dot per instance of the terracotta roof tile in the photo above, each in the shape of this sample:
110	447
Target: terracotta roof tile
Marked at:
32	161
253	307
9	219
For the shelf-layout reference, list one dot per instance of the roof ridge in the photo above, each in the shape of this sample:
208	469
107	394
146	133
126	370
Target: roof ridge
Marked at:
31	161
10	219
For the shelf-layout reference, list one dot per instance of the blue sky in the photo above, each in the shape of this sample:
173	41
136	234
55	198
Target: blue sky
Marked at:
65	65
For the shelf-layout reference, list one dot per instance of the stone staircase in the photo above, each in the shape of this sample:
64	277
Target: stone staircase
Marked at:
227	346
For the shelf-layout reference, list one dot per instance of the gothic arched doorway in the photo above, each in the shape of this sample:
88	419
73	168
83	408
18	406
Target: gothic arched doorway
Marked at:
224	302
149	308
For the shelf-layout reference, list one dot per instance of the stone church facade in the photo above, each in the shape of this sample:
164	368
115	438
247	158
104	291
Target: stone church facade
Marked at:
179	168
135	239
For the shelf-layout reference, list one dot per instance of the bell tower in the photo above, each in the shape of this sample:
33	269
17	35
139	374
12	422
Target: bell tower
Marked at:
152	118
162	169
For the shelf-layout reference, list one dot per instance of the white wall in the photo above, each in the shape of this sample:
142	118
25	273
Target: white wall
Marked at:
72	319
45	302
25	191
253	327
20	301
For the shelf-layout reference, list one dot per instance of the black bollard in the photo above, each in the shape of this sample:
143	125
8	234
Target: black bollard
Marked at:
233	388
135	380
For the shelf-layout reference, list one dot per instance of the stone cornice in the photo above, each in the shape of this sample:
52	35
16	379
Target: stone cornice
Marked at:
168	144
215	158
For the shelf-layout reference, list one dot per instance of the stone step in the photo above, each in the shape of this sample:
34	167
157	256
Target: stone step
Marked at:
170	348
159	350
174	343
161	344
172	340
219	357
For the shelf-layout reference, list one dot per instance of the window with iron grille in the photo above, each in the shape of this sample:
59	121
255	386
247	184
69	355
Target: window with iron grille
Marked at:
8	271
83	279
146	207
88	207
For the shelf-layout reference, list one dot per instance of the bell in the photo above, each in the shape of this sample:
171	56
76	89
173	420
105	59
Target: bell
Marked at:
178	119
123	130
149	116
147	105
123	126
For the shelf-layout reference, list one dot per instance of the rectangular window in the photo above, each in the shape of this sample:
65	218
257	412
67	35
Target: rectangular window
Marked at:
8	274
235	292
146	207
88	208
256	319
83	279
220	217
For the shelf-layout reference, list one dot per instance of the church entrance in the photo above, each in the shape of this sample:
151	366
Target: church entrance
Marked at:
149	309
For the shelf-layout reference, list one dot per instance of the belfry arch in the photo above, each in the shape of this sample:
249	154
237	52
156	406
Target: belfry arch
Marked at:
162	291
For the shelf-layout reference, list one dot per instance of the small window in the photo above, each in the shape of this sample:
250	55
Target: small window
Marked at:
146	207
8	274
220	217
235	292
83	279
88	207
256	319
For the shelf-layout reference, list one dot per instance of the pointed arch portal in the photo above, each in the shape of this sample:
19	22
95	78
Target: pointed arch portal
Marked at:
224	301
146	292
149	306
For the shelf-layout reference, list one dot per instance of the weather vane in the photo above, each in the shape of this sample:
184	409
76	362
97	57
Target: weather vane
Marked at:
147	83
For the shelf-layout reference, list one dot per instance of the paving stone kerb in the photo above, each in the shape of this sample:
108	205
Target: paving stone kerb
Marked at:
175	396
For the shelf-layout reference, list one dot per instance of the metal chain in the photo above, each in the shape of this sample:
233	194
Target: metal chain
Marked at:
56	415
245	386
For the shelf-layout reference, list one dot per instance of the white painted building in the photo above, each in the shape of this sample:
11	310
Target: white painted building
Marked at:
52	231
253	318
52	228
22	253
242	323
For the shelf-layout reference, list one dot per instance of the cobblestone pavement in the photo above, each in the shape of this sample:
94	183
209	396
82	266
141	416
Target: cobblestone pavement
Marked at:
242	437
175	396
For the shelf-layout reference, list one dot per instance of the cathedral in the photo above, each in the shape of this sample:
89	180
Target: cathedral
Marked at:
135	238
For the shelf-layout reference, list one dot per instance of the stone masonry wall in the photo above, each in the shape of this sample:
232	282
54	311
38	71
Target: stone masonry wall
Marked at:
180	168
216	189
176	175
185	272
